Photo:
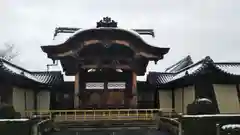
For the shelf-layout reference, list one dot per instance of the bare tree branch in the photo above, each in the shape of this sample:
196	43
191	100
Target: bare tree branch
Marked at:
8	52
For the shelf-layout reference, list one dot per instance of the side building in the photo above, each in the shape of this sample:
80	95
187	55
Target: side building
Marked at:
186	81
26	90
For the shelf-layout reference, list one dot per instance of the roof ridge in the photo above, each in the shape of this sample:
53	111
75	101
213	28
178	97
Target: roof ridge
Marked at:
25	70
228	68
161	73
172	67
43	78
14	65
39	72
227	63
205	60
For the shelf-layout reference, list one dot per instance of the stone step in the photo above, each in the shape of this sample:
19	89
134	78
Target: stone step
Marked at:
103	126
106	124
119	131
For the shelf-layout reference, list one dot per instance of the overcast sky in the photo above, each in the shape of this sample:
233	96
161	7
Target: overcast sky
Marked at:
189	27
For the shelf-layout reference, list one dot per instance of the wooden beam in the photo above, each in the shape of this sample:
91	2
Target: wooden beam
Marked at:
106	66
147	55
94	58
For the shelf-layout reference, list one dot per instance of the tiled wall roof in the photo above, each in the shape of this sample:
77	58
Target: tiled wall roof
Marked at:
158	78
180	65
229	68
47	78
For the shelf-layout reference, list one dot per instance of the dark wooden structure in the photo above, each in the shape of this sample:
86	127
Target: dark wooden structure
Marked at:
105	62
147	95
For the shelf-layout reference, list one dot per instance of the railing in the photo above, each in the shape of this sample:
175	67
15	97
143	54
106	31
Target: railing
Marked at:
94	115
36	128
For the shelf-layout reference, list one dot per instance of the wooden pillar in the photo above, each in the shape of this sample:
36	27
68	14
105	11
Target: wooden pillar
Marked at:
106	94
35	100
134	90
53	99
127	92
76	91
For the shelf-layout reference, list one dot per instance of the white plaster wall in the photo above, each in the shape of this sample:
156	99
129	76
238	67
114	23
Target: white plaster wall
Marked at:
18	100
165	99
188	97
22	100
43	100
178	100
227	98
29	99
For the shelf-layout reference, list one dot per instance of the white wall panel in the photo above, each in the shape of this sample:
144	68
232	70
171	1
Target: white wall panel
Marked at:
188	97
43	100
227	98
29	100
18	100
178	100
165	99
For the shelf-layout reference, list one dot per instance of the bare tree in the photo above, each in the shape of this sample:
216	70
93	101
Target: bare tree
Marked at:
8	52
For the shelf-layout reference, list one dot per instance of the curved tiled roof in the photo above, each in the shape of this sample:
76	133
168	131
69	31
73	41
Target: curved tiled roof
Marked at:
180	65
47	78
64	34
50	78
106	29
129	31
130	35
158	78
229	68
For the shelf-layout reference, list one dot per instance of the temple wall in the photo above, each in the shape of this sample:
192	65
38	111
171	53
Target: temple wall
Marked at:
29	100
165	99
183	97
188	97
178	98
18	100
43	100
227	98
22	99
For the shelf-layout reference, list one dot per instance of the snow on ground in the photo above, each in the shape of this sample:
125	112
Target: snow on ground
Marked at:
14	119
231	126
210	115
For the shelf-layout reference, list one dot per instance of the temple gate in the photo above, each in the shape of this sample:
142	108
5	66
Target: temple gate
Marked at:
105	62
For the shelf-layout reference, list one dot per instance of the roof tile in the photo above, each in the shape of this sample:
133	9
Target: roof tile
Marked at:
230	68
159	78
47	78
